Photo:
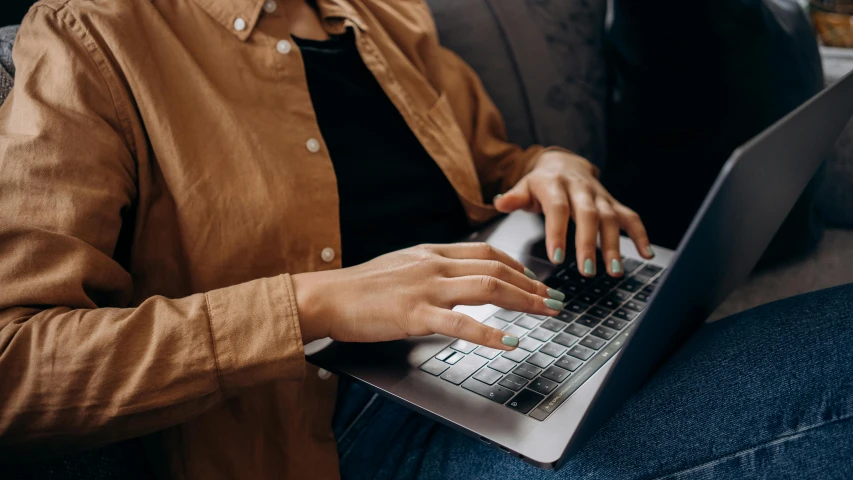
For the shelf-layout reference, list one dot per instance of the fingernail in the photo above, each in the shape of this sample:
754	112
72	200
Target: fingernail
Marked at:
650	251
556	294
616	266
510	341
588	267
530	274
497	197
554	304
558	255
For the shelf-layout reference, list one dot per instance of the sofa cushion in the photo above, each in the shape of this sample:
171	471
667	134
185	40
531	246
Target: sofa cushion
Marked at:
541	62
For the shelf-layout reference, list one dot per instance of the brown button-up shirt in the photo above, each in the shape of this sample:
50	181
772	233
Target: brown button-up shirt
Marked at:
161	176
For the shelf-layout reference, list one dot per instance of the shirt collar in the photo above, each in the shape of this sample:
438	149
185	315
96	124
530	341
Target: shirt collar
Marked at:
234	14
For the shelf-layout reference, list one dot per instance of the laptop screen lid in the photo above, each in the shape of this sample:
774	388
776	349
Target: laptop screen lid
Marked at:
745	207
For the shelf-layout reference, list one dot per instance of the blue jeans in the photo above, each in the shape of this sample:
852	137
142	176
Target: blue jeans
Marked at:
767	393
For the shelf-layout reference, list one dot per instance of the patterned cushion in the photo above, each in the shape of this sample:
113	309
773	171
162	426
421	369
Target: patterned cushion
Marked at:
541	62
7	68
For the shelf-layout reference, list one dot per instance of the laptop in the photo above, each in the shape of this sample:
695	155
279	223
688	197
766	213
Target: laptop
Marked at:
571	372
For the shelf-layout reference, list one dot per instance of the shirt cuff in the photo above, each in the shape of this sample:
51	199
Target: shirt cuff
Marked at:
256	334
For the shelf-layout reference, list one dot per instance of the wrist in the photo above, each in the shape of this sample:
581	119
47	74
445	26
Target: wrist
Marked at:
558	159
312	304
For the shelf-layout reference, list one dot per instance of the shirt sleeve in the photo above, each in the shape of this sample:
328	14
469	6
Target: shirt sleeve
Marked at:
78	367
500	164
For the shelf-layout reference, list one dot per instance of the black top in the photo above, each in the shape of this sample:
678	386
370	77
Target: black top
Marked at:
392	194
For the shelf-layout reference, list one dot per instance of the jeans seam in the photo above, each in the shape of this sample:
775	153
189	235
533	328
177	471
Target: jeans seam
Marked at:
778	440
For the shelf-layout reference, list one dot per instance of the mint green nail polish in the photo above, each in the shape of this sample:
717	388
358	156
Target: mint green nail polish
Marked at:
588	267
510	341
558	256
530	274
616	266
650	251
497	197
556	294
554	304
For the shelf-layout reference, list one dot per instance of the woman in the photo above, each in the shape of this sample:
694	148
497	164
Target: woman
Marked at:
181	183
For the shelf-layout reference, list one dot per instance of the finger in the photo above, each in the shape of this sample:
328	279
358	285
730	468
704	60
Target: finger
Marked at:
609	230
501	271
480	251
586	227
483	289
554	198
458	325
517	198
633	226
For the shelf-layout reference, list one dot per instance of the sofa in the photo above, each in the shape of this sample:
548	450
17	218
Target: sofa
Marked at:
545	64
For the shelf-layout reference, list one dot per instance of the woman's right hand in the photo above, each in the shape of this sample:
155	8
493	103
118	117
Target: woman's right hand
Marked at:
412	293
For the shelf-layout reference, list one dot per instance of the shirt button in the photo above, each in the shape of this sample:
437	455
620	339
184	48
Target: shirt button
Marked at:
283	47
327	254
239	24
270	6
312	145
324	374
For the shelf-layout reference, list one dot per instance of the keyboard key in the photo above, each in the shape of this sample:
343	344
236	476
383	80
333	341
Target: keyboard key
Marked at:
529	344
623	314
576	330
649	289
502	365
615	323
540	360
650	270
596	291
570	289
588	321
454	358
643	297
541	334
463	346
517	355
609	302
488	376
538	317
607	282
565	339
464	369
576	307
555	373
492	392
629	265
527	322
553	325
525	401
434	367
513	382
634	305
444	354
593	342
553	349
527	371
495	322
543	386
581	352
599	311
515	331
631	285
566	316
603	332
569	363
644	279
586	298
506	315
487	352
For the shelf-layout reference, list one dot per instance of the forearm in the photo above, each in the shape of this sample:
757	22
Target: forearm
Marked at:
77	378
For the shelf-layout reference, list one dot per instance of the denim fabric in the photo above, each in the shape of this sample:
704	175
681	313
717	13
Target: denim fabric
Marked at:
767	393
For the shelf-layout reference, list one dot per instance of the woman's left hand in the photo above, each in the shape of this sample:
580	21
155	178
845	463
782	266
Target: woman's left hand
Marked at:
562	186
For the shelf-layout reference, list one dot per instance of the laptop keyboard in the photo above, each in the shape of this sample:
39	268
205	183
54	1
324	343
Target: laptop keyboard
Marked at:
555	355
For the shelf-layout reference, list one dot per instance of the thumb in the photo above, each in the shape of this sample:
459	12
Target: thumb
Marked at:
518	197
